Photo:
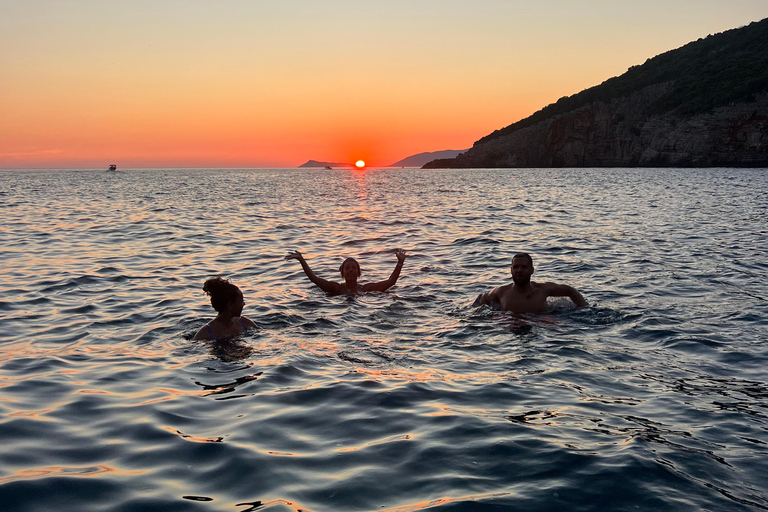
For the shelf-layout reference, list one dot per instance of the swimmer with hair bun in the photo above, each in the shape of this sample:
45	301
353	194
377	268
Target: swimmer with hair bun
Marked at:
350	272
227	300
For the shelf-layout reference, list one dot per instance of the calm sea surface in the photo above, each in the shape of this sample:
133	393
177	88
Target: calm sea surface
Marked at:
655	397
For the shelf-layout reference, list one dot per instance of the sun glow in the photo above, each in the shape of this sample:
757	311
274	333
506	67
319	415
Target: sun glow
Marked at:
359	164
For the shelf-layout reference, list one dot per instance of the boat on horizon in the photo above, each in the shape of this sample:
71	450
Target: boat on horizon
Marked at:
112	167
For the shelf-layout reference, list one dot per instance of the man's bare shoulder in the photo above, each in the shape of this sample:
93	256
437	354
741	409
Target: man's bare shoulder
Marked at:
492	297
554	289
501	290
546	285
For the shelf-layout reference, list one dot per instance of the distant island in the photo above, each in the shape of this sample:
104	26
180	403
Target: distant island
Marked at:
422	158
315	163
412	161
702	105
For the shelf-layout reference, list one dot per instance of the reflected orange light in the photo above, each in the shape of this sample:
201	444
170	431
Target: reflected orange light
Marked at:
194	439
399	437
423	505
38	414
68	471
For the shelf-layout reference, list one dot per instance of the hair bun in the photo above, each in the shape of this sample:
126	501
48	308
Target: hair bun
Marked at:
213	284
222	292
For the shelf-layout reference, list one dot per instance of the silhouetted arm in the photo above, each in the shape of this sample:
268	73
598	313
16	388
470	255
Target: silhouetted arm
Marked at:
487	299
326	286
384	285
563	290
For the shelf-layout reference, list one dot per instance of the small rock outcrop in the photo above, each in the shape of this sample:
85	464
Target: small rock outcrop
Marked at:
315	163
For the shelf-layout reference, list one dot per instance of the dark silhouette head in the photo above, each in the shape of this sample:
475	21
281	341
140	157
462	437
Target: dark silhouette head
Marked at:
222	293
523	255
522	268
354	270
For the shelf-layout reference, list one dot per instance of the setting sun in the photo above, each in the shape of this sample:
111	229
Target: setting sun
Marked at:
359	164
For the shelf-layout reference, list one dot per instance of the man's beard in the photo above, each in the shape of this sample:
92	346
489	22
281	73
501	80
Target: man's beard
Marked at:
522	282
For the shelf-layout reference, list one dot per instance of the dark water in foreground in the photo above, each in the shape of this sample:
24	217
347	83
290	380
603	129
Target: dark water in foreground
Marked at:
653	398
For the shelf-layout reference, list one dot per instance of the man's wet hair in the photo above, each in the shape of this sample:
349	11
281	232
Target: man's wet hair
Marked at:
523	255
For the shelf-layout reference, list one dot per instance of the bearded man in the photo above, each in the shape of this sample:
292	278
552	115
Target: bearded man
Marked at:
524	295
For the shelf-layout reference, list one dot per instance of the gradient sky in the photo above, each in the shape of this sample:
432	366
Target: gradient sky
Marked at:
250	83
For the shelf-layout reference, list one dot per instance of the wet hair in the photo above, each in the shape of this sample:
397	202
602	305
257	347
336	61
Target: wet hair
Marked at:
222	292
523	255
341	268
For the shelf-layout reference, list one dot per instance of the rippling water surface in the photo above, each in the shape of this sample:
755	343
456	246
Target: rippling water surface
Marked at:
655	397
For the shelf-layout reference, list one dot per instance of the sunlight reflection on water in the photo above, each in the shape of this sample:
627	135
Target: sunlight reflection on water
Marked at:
652	398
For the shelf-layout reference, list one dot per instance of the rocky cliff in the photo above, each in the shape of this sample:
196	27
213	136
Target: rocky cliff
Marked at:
703	105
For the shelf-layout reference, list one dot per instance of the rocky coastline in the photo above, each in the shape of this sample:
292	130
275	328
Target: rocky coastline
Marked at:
702	105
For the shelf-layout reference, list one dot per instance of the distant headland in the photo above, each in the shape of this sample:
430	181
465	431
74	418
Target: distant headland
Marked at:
702	105
315	163
412	161
422	158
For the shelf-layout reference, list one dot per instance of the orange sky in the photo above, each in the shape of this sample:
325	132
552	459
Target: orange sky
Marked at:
239	83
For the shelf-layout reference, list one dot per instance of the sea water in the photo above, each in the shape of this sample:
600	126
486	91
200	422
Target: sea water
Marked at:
654	397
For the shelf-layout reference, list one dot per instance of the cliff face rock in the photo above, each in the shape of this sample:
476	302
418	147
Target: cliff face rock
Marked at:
736	136
617	134
702	105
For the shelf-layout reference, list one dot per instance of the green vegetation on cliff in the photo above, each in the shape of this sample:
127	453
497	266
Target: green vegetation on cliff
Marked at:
730	67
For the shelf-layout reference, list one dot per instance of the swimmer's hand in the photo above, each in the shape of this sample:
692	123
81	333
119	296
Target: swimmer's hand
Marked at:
400	255
295	255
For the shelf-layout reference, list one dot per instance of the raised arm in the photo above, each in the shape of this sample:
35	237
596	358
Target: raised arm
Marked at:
384	285
326	286
563	290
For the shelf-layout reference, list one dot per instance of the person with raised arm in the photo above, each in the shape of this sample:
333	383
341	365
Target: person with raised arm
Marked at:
524	295
350	272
